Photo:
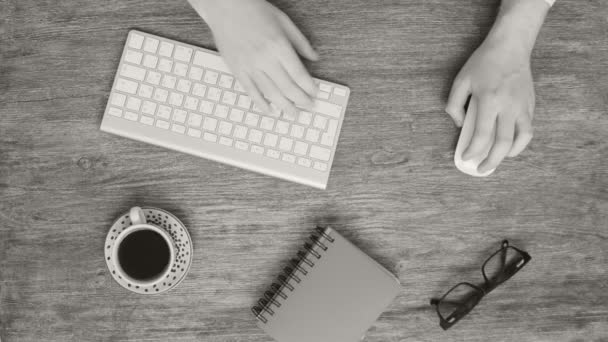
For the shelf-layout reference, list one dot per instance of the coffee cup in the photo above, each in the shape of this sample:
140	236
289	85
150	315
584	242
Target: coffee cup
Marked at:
142	253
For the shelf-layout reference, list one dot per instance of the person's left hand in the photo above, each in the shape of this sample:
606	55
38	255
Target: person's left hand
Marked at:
498	78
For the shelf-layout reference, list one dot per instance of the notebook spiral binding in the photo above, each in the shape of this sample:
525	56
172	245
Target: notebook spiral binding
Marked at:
292	274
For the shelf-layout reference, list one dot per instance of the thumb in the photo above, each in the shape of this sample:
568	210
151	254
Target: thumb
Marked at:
458	98
297	39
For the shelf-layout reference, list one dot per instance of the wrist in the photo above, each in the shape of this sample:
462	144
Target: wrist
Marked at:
518	24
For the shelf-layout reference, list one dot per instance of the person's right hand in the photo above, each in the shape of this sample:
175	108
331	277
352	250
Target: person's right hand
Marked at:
259	44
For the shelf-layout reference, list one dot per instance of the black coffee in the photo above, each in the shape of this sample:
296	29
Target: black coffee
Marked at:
144	254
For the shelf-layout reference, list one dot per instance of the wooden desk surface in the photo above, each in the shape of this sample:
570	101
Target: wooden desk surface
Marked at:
393	189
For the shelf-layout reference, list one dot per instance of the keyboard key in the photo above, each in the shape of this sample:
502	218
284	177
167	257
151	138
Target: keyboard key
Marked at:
162	124
115	112
209	124
135	40
305	118
164	112
126	86
325	87
160	95
133	56
312	135
273	153
221	111
289	116
320	122
199	58
257	149
304	162
176	99
210	137
214	94
153	78
133	72
178	129
285	144
300	148
282	127
131	116
340	91
179	115
183	85
244	102
194	132
148	107
196	73
327	139
327	108
275	111
320	153
255	108
206	107
241	145
150	45
166	49
225	141
332	127
255	136
323	95
226	81
225	128
199	89
165	65
146	120
297	131
180	69
150	61
229	98
169	81
183	53
133	103
118	99
270	139
211	77
267	123
240	132
320	166
194	120
236	115
252	119
145	91
290	158
191	103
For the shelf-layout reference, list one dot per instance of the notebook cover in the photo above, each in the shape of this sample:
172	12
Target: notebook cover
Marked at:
337	301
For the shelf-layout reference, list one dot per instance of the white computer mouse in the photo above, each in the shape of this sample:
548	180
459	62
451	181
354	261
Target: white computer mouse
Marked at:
470	166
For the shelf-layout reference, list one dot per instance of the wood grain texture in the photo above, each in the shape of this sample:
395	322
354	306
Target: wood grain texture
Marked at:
393	190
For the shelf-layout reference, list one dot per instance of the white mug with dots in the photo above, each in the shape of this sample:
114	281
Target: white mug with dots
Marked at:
148	250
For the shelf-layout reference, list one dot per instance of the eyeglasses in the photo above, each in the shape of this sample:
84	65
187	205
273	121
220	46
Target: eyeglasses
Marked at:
463	297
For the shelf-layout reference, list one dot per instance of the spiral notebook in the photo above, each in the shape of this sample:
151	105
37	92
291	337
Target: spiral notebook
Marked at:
331	292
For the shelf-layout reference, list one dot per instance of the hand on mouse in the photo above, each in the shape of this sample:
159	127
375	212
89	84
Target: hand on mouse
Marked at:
260	44
498	78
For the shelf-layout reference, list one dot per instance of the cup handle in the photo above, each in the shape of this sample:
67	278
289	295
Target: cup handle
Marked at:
137	216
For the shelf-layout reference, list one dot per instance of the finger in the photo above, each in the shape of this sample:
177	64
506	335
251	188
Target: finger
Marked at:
288	87
296	70
505	128
296	38
461	89
487	110
271	92
253	92
523	136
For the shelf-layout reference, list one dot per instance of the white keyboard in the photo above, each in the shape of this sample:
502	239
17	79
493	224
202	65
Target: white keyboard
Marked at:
184	98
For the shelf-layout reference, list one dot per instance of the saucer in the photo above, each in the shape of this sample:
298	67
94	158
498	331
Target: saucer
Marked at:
183	255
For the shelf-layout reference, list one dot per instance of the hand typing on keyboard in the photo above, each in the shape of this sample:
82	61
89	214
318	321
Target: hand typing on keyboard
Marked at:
259	44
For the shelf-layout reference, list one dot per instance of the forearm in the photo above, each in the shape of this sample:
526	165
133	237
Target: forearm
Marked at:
518	23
